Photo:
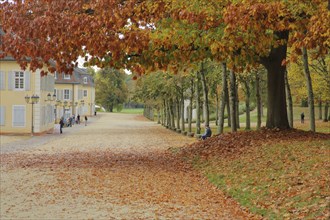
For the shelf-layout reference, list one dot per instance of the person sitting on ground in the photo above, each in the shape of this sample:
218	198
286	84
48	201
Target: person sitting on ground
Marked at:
207	133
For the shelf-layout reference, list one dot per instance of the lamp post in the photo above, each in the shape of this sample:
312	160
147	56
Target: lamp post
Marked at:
57	103
65	104
34	99
51	98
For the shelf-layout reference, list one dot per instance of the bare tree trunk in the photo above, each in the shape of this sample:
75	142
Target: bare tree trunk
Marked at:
158	115
289	99
178	113
310	90
237	105
320	109
182	111
223	99
191	105
247	105
198	117
217	106
233	101
206	111
164	113
259	106
228	103
326	112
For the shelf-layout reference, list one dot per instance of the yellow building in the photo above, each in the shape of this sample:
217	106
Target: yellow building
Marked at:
75	94
16	115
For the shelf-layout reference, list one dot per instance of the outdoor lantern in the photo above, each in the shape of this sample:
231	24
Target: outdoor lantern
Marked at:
49	96
54	97
35	98
65	103
82	102
27	99
58	102
76	103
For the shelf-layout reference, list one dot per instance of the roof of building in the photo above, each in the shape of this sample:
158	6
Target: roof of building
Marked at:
77	77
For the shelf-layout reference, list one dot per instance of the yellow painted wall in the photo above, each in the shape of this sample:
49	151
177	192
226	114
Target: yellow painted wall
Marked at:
8	98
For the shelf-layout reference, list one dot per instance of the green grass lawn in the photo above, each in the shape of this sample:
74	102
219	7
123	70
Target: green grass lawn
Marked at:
284	180
130	111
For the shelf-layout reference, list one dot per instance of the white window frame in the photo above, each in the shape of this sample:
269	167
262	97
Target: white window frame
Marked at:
68	94
67	76
55	75
85	80
21	79
85	93
13	116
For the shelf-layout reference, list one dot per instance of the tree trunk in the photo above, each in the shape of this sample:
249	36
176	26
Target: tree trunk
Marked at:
233	101
198	123
217	105
237	105
277	116
158	116
223	99
191	105
182	111
310	90
326	112
289	99
172	109
227	103
259	106
320	109
247	106
164	113
178	113
206	111
168	114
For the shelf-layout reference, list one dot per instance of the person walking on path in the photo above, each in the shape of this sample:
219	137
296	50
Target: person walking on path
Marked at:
61	125
207	133
78	119
85	120
302	118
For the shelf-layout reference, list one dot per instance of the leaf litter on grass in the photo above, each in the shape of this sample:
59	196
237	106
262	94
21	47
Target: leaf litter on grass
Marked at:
277	174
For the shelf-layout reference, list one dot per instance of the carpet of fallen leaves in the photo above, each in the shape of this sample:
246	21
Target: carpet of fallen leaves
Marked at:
277	174
118	167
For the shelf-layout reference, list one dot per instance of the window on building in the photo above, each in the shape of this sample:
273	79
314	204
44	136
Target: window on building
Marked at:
19	80
18	116
67	76
85	80
85	93
55	75
66	94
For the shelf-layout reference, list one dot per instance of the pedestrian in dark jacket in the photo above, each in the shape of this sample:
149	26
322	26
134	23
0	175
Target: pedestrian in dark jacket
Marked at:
61	125
85	120
78	119
302	118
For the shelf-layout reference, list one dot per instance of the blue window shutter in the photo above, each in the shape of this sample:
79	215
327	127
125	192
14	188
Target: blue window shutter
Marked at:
27	79
2	115
2	80
11	80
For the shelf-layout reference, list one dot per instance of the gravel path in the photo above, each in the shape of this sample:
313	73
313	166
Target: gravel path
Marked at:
116	167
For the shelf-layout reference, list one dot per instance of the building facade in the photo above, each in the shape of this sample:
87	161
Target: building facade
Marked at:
75	94
16	115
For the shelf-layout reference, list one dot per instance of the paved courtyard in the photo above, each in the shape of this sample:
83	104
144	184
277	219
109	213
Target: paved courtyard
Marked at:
116	167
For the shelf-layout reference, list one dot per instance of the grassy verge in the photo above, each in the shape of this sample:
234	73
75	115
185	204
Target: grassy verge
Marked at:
131	111
285	180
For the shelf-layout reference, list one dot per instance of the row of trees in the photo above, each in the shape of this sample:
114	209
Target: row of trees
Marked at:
175	36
